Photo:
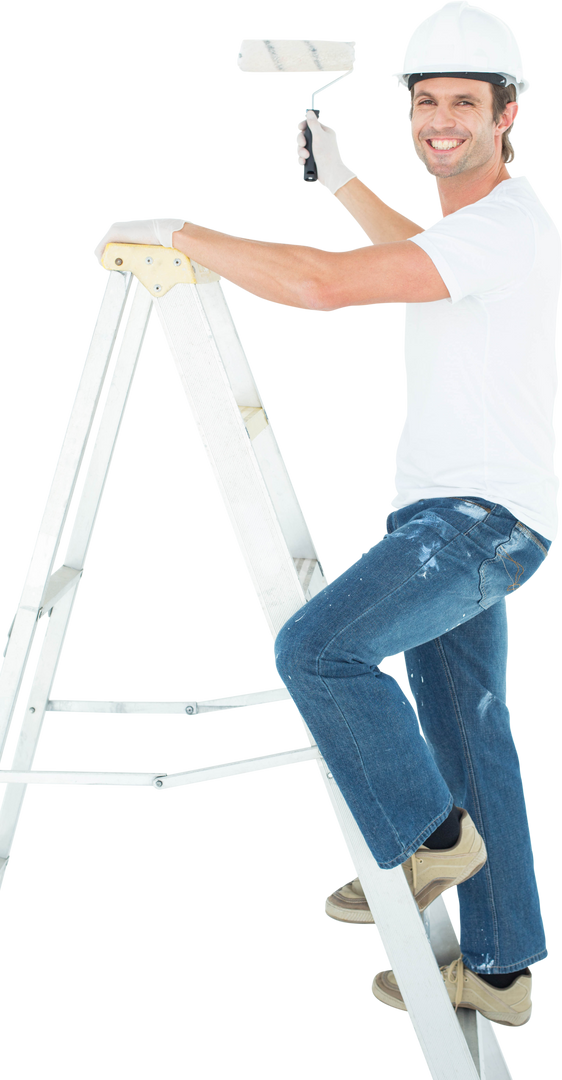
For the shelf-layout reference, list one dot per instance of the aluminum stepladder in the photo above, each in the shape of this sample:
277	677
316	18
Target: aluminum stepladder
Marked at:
286	572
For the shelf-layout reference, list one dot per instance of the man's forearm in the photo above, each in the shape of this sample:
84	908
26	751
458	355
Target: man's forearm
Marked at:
284	273
381	224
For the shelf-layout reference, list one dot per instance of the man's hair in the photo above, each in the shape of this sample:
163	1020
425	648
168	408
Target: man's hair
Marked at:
500	97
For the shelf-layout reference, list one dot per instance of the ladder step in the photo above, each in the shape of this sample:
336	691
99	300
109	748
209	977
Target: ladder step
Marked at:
254	418
310	575
59	583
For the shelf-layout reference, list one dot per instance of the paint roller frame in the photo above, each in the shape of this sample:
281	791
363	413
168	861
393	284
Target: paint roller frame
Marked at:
308	173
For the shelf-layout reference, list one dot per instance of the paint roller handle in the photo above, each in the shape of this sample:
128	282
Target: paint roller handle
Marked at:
328	167
310	171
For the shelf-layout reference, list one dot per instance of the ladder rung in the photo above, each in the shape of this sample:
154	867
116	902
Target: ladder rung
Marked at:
254	418
59	583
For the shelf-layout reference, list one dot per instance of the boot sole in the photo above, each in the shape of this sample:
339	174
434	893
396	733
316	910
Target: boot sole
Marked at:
398	1003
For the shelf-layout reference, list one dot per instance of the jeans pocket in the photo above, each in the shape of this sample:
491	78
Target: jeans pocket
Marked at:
515	561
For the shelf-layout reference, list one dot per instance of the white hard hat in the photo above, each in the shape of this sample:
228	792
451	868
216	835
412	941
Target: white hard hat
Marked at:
464	40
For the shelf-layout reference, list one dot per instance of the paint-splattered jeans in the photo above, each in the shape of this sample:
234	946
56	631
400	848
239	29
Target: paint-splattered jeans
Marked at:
434	588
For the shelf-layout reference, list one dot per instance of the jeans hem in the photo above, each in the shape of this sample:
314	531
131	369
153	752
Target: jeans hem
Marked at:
529	962
403	859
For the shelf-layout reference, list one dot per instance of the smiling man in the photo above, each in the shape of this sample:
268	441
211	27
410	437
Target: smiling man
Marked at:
390	270
469	144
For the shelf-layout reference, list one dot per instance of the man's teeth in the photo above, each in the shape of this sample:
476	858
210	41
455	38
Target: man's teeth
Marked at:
445	144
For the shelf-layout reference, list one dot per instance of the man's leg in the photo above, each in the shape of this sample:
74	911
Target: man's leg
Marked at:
459	684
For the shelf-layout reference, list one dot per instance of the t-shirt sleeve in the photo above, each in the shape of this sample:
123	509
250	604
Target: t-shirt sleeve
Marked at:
484	251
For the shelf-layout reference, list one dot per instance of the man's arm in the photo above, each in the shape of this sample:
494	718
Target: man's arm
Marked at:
381	224
275	271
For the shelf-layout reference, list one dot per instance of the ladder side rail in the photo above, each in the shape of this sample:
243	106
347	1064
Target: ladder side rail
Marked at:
410	953
230	451
288	511
64	481
486	1058
245	392
80	537
493	1062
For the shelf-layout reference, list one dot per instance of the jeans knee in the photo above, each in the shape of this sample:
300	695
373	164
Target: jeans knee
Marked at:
288	647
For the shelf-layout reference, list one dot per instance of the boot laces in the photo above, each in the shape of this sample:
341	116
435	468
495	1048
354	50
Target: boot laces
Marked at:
455	972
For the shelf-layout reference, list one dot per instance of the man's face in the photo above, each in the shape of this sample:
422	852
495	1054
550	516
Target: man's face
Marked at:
457	110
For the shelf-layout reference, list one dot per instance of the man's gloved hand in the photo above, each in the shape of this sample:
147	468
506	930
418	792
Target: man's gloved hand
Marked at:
331	170
140	232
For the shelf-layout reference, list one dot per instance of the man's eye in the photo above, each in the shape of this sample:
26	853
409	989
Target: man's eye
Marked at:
427	101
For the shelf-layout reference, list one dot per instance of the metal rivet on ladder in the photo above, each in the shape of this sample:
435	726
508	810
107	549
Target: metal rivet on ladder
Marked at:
119	262
177	262
157	288
31	708
189	709
148	259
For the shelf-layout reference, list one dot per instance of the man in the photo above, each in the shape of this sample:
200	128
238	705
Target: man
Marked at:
475	507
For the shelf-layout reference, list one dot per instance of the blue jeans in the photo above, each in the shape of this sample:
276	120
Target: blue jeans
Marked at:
434	588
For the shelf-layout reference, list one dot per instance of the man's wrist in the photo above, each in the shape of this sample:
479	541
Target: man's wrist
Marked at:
340	176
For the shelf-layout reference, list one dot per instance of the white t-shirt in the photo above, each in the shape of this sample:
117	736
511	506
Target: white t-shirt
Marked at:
481	366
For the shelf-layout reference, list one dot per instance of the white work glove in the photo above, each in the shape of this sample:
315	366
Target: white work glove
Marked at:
330	168
140	232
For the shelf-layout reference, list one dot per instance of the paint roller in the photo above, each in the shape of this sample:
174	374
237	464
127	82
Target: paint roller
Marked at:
291	56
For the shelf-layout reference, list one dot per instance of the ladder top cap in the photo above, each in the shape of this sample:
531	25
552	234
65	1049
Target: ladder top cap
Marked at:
158	268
